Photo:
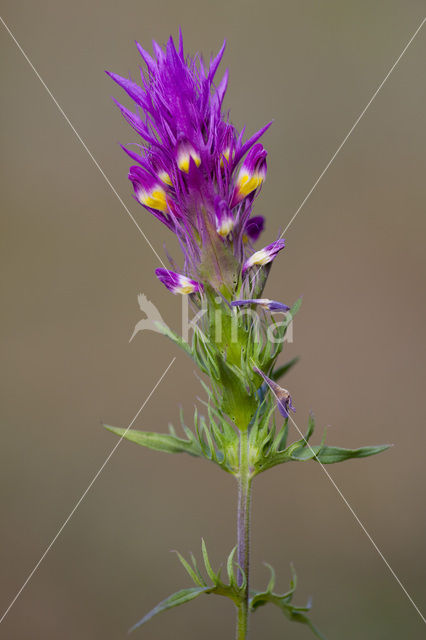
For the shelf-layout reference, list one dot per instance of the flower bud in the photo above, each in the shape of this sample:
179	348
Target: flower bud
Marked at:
254	227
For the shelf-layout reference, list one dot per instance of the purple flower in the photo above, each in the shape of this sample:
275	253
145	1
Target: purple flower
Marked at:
148	190
186	155
224	219
282	396
251	175
272	305
194	171
177	283
265	255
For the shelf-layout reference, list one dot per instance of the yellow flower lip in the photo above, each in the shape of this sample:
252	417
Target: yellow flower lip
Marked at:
226	155
260	258
185	153
164	177
225	227
185	289
154	199
248	182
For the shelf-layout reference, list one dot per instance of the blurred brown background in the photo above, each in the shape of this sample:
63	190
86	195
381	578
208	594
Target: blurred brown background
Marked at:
73	264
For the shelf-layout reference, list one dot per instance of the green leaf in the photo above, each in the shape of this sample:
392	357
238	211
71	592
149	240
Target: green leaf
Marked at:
271	583
158	441
212	575
329	455
176	599
190	571
295	614
303	453
285	368
166	331
230	567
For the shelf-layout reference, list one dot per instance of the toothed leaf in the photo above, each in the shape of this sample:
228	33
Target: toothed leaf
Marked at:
295	615
166	331
305	453
230	567
176	599
190	571
158	441
212	575
271	583
285	368
329	455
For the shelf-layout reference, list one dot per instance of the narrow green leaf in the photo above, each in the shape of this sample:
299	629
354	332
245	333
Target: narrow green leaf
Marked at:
166	331
295	615
190	571
258	599
210	444
285	368
293	580
178	598
311	427
243	576
230	567
305	439
329	455
271	583
303	453
158	441
295	308
281	438
213	577
197	571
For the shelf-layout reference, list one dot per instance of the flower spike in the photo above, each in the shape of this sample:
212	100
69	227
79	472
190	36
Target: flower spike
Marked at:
190	158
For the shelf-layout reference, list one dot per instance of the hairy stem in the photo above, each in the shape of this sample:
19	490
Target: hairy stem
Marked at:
243	531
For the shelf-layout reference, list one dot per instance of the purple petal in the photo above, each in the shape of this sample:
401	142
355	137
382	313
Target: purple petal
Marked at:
216	62
251	175
178	283
150	63
131	88
254	227
265	255
250	142
272	305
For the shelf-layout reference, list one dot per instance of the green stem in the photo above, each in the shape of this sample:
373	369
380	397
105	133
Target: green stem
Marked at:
243	531
242	622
